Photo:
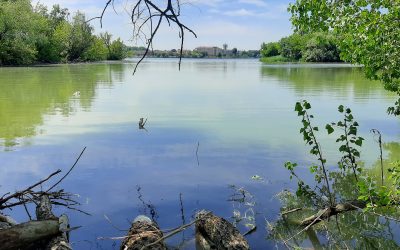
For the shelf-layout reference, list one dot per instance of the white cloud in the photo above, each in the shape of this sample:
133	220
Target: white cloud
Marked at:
240	12
259	3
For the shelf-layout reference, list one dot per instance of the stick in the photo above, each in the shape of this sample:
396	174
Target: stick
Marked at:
291	211
69	171
197	156
307	227
19	193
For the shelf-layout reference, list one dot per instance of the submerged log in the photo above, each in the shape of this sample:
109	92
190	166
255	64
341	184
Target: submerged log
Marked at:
324	214
213	232
143	233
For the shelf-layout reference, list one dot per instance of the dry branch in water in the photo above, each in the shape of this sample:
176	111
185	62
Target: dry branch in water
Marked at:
48	231
147	16
326	213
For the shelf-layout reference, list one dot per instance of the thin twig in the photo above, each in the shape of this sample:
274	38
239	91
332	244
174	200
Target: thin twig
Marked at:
19	193
377	132
378	214
307	227
69	171
279	235
112	224
291	211
197	151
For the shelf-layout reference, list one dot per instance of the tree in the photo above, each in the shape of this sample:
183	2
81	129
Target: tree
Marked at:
17	33
270	49
368	31
106	37
97	50
234	51
321	47
117	50
292	46
80	38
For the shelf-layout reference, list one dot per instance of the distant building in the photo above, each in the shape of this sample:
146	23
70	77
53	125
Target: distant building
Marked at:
210	51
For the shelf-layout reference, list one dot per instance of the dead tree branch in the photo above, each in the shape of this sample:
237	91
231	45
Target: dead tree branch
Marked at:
147	17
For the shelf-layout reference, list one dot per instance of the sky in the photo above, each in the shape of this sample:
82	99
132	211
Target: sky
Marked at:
242	24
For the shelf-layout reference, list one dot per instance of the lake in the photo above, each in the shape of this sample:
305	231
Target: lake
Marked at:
213	127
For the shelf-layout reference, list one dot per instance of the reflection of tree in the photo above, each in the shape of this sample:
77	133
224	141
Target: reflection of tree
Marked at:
329	79
350	230
29	93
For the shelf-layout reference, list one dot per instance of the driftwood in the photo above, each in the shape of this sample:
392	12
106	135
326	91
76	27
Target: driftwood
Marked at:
48	232
23	235
213	232
143	234
325	213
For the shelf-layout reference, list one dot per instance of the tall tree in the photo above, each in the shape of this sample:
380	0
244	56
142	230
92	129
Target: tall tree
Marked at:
80	38
17	33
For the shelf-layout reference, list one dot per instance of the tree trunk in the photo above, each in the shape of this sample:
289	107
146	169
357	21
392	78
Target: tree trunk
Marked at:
218	233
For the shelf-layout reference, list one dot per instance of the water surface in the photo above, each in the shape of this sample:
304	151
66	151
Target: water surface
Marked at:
236	114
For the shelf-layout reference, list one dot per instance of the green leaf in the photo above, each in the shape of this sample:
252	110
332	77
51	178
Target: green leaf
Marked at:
359	140
298	107
341	108
329	128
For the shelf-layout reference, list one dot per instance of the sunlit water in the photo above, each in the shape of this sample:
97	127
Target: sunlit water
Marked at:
213	124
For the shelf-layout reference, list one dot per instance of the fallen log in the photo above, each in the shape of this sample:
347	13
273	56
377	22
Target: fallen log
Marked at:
143	234
326	213
213	232
25	234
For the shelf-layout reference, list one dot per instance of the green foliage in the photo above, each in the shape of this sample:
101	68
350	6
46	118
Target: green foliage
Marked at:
292	46
314	47
275	59
308	131
117	50
17	33
349	140
29	35
369	32
96	52
270	49
321	47
80	38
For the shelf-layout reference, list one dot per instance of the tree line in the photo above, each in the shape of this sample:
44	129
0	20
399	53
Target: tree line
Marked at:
312	47
33	34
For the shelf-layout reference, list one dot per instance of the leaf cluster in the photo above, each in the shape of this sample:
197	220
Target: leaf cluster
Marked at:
368	32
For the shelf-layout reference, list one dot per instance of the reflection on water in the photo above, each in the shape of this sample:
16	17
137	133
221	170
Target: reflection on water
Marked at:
27	94
234	117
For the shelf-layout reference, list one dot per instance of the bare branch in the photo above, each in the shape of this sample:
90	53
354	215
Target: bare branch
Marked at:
146	18
69	171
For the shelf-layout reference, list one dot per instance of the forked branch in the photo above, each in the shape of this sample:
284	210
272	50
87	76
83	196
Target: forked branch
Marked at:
147	17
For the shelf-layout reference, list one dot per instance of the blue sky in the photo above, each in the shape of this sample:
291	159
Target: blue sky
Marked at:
243	24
